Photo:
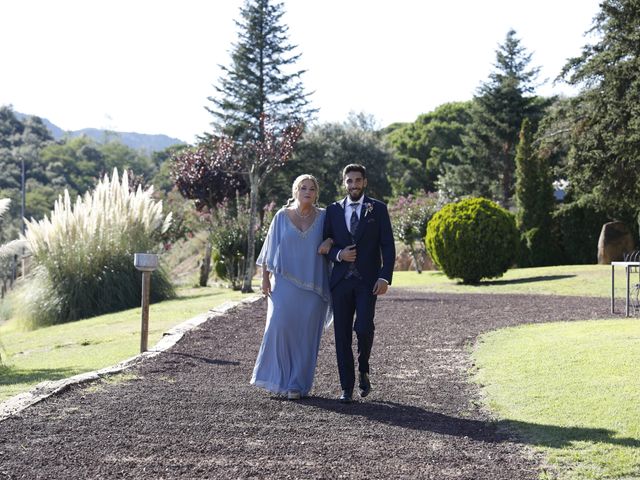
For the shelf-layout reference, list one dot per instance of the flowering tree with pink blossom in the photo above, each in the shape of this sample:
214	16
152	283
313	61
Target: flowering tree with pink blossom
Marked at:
409	216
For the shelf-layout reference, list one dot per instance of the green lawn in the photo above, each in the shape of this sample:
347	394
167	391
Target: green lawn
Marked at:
584	280
571	389
61	351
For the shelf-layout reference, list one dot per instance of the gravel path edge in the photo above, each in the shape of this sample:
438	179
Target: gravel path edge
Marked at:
43	390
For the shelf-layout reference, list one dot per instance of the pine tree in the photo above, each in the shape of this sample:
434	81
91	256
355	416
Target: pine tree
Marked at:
500	106
261	103
261	79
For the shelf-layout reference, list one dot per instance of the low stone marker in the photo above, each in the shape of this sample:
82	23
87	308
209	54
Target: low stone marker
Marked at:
615	240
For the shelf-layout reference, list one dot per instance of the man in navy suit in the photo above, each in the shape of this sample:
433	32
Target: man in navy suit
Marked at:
363	253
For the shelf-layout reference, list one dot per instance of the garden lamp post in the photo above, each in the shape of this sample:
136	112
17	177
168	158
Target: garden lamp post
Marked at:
146	263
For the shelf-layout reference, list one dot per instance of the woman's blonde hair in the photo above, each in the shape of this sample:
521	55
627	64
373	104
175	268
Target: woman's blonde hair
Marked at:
295	188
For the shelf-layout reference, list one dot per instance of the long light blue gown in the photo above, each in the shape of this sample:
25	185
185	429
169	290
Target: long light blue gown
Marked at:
298	307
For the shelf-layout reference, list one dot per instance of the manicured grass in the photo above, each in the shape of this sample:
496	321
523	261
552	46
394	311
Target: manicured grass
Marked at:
61	351
583	280
571	389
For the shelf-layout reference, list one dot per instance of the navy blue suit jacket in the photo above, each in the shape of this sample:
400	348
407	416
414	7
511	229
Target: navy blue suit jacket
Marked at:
376	252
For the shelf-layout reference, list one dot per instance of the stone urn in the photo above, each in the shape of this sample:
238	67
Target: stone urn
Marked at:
615	240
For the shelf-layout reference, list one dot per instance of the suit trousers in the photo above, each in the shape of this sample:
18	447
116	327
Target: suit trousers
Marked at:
353	296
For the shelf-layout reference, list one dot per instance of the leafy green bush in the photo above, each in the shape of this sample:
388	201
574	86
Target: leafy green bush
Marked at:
579	224
229	239
472	239
539	247
83	255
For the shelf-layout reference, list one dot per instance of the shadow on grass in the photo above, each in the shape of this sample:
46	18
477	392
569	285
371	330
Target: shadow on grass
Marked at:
416	418
515	281
14	376
194	295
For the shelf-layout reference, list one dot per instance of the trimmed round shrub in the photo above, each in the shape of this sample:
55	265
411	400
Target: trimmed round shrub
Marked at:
472	239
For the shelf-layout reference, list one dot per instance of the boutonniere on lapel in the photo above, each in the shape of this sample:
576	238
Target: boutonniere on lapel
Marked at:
368	208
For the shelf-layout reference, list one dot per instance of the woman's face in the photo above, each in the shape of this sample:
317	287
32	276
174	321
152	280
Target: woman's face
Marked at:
307	193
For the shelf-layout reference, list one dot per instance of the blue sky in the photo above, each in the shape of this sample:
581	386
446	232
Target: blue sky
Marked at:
149	65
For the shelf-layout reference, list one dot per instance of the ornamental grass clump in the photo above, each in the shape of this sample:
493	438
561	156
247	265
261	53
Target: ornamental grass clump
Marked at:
83	254
472	239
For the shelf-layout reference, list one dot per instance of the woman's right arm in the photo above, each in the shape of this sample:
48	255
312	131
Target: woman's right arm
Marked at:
266	281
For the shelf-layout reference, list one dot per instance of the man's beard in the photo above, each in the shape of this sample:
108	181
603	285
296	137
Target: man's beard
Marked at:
355	199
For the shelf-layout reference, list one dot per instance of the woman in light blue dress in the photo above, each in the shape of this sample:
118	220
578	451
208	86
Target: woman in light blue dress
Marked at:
295	279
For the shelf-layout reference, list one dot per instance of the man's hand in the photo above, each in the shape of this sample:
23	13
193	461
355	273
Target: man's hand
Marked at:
348	254
381	287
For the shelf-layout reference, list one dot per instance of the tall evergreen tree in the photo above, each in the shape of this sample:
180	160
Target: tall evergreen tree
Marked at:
534	187
500	106
260	103
535	201
604	163
527	180
261	79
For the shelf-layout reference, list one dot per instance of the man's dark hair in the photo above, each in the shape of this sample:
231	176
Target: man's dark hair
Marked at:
354	167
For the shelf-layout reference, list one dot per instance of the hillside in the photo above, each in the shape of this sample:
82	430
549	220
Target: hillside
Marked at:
139	141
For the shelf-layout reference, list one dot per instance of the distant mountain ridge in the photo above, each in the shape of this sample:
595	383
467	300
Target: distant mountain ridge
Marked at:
139	141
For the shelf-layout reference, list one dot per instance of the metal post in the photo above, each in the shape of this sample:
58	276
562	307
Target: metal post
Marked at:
146	263
146	288
612	288
626	311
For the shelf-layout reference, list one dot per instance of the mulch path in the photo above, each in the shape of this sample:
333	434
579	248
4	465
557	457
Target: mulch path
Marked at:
191	413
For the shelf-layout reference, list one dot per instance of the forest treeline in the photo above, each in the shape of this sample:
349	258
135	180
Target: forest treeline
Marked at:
588	144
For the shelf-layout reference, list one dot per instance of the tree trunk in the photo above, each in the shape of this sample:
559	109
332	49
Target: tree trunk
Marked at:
251	234
205	267
507	175
417	259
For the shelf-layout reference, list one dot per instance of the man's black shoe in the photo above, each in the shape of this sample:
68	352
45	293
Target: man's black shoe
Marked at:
365	384
346	397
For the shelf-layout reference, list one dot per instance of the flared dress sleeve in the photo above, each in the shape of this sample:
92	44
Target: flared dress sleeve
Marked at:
271	247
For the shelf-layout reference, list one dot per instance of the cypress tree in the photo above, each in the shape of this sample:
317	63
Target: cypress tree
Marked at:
527	181
535	201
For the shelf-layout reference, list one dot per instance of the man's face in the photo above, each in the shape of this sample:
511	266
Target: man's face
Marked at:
354	183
